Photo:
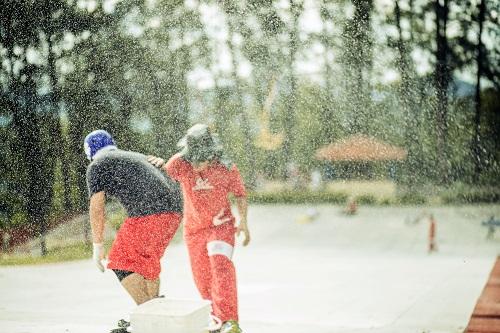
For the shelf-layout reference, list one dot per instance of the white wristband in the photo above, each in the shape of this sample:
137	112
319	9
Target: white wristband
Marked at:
98	255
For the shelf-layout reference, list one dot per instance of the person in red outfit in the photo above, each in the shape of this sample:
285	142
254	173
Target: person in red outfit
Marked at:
207	179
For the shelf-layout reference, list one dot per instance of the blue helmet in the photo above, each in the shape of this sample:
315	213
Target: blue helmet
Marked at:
97	140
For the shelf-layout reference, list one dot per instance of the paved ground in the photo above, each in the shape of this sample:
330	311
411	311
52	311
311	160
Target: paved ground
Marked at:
338	274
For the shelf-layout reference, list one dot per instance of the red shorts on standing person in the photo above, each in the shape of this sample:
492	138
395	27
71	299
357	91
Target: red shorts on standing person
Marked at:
141	242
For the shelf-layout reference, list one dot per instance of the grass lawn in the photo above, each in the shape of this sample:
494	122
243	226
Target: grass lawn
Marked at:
56	254
379	189
61	253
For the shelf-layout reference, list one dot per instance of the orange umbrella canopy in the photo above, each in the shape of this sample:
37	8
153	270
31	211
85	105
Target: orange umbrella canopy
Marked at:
361	148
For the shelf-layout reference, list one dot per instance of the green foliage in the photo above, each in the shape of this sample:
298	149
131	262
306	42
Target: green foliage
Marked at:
297	197
386	202
58	188
464	194
56	254
411	198
366	199
13	217
128	71
457	194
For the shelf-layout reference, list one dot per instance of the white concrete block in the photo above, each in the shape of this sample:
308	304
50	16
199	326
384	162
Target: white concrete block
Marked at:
171	315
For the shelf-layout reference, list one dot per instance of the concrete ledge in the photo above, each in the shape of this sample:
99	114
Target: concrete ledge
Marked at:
486	315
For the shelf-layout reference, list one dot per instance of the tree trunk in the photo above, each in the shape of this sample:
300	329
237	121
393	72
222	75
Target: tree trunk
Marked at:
291	103
61	145
408	102
77	125
328	113
358	60
29	132
245	122
442	79
476	147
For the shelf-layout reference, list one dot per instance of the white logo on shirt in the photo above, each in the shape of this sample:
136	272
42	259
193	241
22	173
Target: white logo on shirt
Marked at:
202	184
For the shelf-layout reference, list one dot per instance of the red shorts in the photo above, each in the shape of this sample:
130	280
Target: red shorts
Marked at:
141	242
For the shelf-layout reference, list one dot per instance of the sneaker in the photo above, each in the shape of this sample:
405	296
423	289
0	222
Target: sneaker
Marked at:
122	323
119	330
230	326
123	327
215	323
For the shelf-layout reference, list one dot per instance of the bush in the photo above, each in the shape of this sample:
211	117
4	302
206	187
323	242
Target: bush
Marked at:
297	197
366	199
411	198
471	195
386	202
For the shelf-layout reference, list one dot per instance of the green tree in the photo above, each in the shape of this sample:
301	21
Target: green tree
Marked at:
296	8
407	91
330	42
29	33
356	61
235	16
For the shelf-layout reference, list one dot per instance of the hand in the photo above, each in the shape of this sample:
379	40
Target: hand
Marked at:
218	219
156	161
98	255
243	227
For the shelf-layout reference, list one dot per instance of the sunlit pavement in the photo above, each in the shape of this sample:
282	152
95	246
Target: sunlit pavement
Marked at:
365	273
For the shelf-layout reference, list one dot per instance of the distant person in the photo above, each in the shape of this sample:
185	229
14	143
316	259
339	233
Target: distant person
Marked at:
153	203
207	178
491	224
316	180
6	241
392	172
329	172
432	234
352	207
293	175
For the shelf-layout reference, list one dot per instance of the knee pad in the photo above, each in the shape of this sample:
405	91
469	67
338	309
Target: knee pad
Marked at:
220	247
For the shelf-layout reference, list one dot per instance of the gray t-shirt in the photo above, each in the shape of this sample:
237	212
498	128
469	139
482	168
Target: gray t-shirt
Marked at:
139	186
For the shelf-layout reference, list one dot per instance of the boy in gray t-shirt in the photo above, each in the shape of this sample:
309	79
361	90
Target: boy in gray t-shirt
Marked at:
154	207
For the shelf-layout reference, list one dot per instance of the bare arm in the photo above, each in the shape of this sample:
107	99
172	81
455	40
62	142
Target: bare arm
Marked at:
242	206
97	216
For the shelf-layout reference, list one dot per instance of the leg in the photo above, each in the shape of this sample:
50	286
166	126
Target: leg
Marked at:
224	294
137	287
153	288
224	290
200	263
141	289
